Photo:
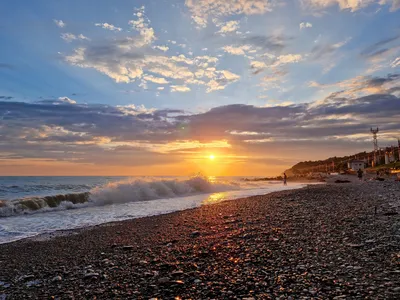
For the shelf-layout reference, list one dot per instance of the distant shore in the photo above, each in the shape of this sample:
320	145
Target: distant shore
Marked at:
322	241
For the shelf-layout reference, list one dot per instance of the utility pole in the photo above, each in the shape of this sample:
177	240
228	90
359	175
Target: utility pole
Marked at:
398	149
375	139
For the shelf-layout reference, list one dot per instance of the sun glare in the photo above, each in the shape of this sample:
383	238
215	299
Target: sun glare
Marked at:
212	157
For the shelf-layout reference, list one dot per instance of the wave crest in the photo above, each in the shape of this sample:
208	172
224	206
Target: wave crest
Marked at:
32	204
117	192
142	190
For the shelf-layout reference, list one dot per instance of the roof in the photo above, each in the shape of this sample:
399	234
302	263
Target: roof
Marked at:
356	161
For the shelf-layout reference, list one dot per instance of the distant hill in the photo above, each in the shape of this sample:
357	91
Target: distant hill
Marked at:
332	164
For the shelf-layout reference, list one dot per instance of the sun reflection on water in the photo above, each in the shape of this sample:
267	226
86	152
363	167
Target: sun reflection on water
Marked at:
212	179
215	198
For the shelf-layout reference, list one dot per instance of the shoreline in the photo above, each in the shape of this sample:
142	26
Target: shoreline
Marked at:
71	231
317	241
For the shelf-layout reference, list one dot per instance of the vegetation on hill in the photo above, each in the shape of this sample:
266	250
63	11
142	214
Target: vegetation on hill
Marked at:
332	164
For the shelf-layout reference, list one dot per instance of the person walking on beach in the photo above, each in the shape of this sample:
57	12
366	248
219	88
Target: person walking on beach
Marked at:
359	174
284	179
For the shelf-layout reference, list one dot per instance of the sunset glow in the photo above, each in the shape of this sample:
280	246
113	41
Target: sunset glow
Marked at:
135	86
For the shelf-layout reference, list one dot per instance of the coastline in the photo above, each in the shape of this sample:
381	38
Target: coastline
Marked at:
308	242
68	224
66	232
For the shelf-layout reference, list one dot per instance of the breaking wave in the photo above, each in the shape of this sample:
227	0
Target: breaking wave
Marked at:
117	193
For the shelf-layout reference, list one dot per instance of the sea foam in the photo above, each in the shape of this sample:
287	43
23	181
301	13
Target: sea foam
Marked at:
125	191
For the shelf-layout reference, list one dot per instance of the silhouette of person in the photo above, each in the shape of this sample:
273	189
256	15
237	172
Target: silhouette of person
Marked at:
284	179
360	174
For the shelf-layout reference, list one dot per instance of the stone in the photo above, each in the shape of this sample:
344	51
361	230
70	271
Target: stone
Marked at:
355	246
163	280
56	278
177	273
33	283
91	275
195	234
25	277
127	247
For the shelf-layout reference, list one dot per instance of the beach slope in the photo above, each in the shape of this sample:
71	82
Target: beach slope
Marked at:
334	241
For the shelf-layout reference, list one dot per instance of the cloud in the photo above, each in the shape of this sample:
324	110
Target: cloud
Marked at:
127	60
237	50
376	48
266	45
69	37
6	97
352	5
203	9
108	26
395	5
338	119
95	134
258	64
274	63
228	27
273	43
305	25
120	59
362	86
58	101
162	48
223	79
136	110
142	25
62	130
155	79
395	63
319	51
59	23
287	59
328	54
66	100
180	88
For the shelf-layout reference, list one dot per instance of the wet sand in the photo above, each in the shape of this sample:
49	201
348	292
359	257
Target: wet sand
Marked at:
334	241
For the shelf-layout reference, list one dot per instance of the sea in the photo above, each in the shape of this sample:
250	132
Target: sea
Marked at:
31	206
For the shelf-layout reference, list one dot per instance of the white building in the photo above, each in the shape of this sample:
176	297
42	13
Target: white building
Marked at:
356	164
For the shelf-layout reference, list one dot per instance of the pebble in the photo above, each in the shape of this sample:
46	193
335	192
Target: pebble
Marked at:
33	283
195	234
163	280
316	246
91	275
128	247
26	277
56	278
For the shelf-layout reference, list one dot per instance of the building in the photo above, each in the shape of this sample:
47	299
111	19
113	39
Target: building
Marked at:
356	164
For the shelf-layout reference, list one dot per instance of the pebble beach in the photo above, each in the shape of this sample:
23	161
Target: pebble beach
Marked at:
331	241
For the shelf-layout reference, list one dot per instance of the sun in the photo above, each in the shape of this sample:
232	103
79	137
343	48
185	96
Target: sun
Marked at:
211	157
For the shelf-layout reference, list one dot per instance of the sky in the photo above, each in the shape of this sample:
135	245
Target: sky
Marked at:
126	87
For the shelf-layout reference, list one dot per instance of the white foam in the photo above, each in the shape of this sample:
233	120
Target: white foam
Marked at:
124	191
22	226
